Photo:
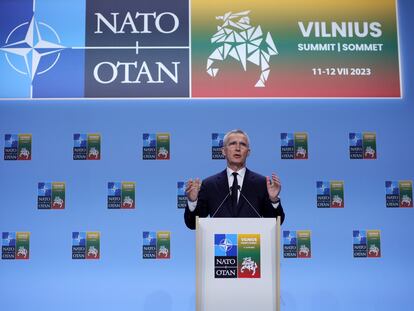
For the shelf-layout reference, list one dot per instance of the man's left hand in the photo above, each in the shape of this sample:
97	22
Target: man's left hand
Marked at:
273	187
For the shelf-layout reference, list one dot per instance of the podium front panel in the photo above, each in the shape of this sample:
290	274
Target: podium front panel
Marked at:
236	264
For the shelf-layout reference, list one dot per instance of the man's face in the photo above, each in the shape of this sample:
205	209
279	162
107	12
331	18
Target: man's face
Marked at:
236	150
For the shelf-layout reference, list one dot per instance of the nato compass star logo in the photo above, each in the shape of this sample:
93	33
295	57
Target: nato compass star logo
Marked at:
322	188
80	140
180	188
289	237
10	140
149	238
392	188
8	238
79	238
32	48
45	189
360	237
149	140
226	245
355	139
217	139
286	139
114	189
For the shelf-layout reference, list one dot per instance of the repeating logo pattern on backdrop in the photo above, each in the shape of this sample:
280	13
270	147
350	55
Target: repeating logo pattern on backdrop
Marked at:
156	245
294	146
367	243
399	193
156	146
86	245
51	195
17	147
362	146
237	256
15	245
297	244
217	140
121	195
181	197
86	146
330	194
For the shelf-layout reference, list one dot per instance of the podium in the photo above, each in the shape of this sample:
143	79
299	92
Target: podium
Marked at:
237	264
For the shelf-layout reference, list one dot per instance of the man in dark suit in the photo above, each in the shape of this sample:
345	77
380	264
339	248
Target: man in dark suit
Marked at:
236	191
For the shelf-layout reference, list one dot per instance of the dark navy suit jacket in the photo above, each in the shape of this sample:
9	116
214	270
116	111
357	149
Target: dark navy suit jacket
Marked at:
214	190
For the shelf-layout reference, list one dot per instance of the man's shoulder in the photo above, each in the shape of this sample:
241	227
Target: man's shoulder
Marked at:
255	176
215	177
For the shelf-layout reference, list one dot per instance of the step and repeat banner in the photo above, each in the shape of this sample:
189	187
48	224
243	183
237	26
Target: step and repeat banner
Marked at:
108	107
135	49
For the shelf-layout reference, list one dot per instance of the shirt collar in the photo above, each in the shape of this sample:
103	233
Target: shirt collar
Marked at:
241	172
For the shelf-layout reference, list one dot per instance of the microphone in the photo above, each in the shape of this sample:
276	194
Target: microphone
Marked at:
222	202
248	202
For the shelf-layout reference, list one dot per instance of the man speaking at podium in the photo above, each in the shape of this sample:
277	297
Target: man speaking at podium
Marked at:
236	191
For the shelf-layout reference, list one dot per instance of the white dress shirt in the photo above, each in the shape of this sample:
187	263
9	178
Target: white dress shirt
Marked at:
240	178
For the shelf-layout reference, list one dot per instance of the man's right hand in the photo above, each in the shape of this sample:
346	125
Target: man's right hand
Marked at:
192	188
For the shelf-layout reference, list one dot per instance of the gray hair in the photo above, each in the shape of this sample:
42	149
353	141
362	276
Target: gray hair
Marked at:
237	131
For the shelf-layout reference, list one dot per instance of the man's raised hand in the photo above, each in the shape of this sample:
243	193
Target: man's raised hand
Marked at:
273	187
192	188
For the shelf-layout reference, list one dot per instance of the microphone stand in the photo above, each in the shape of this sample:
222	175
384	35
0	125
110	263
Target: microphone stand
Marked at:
248	202
222	202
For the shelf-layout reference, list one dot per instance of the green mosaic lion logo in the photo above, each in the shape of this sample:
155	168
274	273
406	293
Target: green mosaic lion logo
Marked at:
237	38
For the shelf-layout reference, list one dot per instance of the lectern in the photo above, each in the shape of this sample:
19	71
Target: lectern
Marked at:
237	264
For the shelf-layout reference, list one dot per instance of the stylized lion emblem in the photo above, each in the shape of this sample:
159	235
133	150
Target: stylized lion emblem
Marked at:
93	153
243	42
128	202
406	201
58	202
304	250
22	252
369	152
301	152
248	264
373	249
337	200
93	251
163	152
163	251
24	153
